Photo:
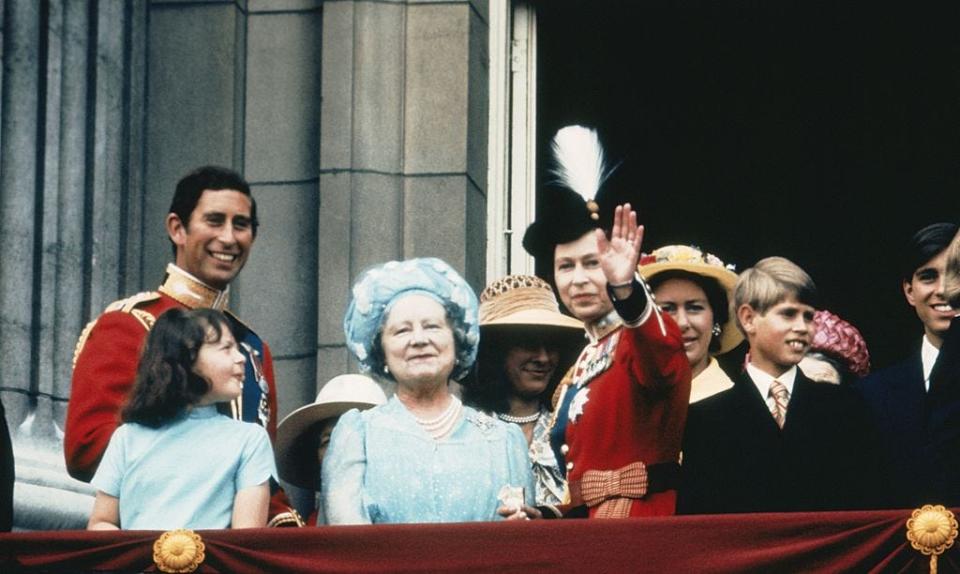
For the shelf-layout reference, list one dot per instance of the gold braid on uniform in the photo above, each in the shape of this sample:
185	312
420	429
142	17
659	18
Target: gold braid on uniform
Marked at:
82	341
127	305
290	519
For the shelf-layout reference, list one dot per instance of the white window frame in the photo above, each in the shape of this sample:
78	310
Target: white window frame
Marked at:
511	177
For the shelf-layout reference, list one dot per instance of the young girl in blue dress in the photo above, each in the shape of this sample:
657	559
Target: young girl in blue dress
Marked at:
176	462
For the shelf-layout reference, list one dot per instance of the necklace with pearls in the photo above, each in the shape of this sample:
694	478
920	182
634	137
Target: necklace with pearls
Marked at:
524	420
443	424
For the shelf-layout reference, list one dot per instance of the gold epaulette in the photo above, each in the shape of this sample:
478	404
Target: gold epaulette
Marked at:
127	305
130	305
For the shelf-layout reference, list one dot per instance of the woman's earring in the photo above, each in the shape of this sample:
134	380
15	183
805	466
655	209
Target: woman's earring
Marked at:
716	330
386	370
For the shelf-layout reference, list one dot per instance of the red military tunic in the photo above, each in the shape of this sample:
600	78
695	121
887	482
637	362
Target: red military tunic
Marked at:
625	403
105	366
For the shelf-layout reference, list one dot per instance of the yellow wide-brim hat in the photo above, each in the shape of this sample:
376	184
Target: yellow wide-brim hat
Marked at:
694	261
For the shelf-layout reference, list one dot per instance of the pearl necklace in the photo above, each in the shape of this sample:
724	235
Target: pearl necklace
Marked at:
441	426
520	420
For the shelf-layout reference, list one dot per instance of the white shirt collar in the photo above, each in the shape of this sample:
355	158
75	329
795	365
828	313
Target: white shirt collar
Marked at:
928	356
763	379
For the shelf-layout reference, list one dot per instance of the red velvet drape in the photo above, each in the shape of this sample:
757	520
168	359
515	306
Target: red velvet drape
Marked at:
802	542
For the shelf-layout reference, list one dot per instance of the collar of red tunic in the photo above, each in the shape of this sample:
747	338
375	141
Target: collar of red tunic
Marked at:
192	292
604	326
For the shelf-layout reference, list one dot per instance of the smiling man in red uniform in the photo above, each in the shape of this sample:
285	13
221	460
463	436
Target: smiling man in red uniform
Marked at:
621	410
212	225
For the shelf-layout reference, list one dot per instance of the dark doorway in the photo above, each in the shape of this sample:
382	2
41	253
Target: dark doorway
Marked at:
826	133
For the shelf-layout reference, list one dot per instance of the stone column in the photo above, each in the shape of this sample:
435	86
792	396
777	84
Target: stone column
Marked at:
69	219
402	147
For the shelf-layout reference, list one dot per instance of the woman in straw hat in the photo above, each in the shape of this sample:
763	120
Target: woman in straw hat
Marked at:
304	434
695	288
526	345
619	422
422	456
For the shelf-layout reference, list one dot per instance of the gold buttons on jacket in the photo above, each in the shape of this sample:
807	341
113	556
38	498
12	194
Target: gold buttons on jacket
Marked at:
564	449
569	466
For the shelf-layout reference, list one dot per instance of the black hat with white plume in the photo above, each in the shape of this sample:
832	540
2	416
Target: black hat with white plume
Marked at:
574	199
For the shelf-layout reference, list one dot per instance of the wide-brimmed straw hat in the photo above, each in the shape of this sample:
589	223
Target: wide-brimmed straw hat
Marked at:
523	300
296	463
692	260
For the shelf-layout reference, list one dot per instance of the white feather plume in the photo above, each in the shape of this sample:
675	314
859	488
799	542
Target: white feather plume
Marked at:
579	163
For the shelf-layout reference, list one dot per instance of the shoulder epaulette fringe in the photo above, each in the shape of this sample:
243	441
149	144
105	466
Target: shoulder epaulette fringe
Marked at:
130	303
127	305
82	341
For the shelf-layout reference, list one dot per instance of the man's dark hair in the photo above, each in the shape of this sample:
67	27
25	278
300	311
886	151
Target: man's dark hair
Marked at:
925	245
166	381
215	178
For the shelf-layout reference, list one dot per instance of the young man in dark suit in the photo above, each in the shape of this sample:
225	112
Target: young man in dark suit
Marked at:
904	404
777	441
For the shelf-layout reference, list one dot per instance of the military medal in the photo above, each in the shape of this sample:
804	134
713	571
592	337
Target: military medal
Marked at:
595	360
577	404
263	407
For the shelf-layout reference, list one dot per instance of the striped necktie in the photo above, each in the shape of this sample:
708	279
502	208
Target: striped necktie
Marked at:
777	398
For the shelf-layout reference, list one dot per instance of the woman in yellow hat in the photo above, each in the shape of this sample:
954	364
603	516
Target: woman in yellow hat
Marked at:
695	288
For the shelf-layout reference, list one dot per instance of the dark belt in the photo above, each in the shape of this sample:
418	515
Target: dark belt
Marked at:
613	491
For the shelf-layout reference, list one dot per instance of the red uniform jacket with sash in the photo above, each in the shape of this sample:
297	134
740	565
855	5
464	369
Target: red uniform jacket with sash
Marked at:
626	403
105	366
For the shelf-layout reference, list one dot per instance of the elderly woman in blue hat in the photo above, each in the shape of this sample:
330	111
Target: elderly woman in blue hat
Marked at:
423	456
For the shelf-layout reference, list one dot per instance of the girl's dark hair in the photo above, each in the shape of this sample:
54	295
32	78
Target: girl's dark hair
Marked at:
487	388
166	382
716	296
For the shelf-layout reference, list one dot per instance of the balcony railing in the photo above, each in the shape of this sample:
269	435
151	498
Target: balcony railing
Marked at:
860	541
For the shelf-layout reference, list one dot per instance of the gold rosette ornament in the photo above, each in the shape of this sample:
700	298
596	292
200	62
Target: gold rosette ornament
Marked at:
178	551
932	530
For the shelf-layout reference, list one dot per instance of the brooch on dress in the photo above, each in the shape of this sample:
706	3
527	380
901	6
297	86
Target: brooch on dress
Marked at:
481	421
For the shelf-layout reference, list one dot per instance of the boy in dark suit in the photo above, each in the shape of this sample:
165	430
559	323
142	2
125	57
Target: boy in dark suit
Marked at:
777	441
905	405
